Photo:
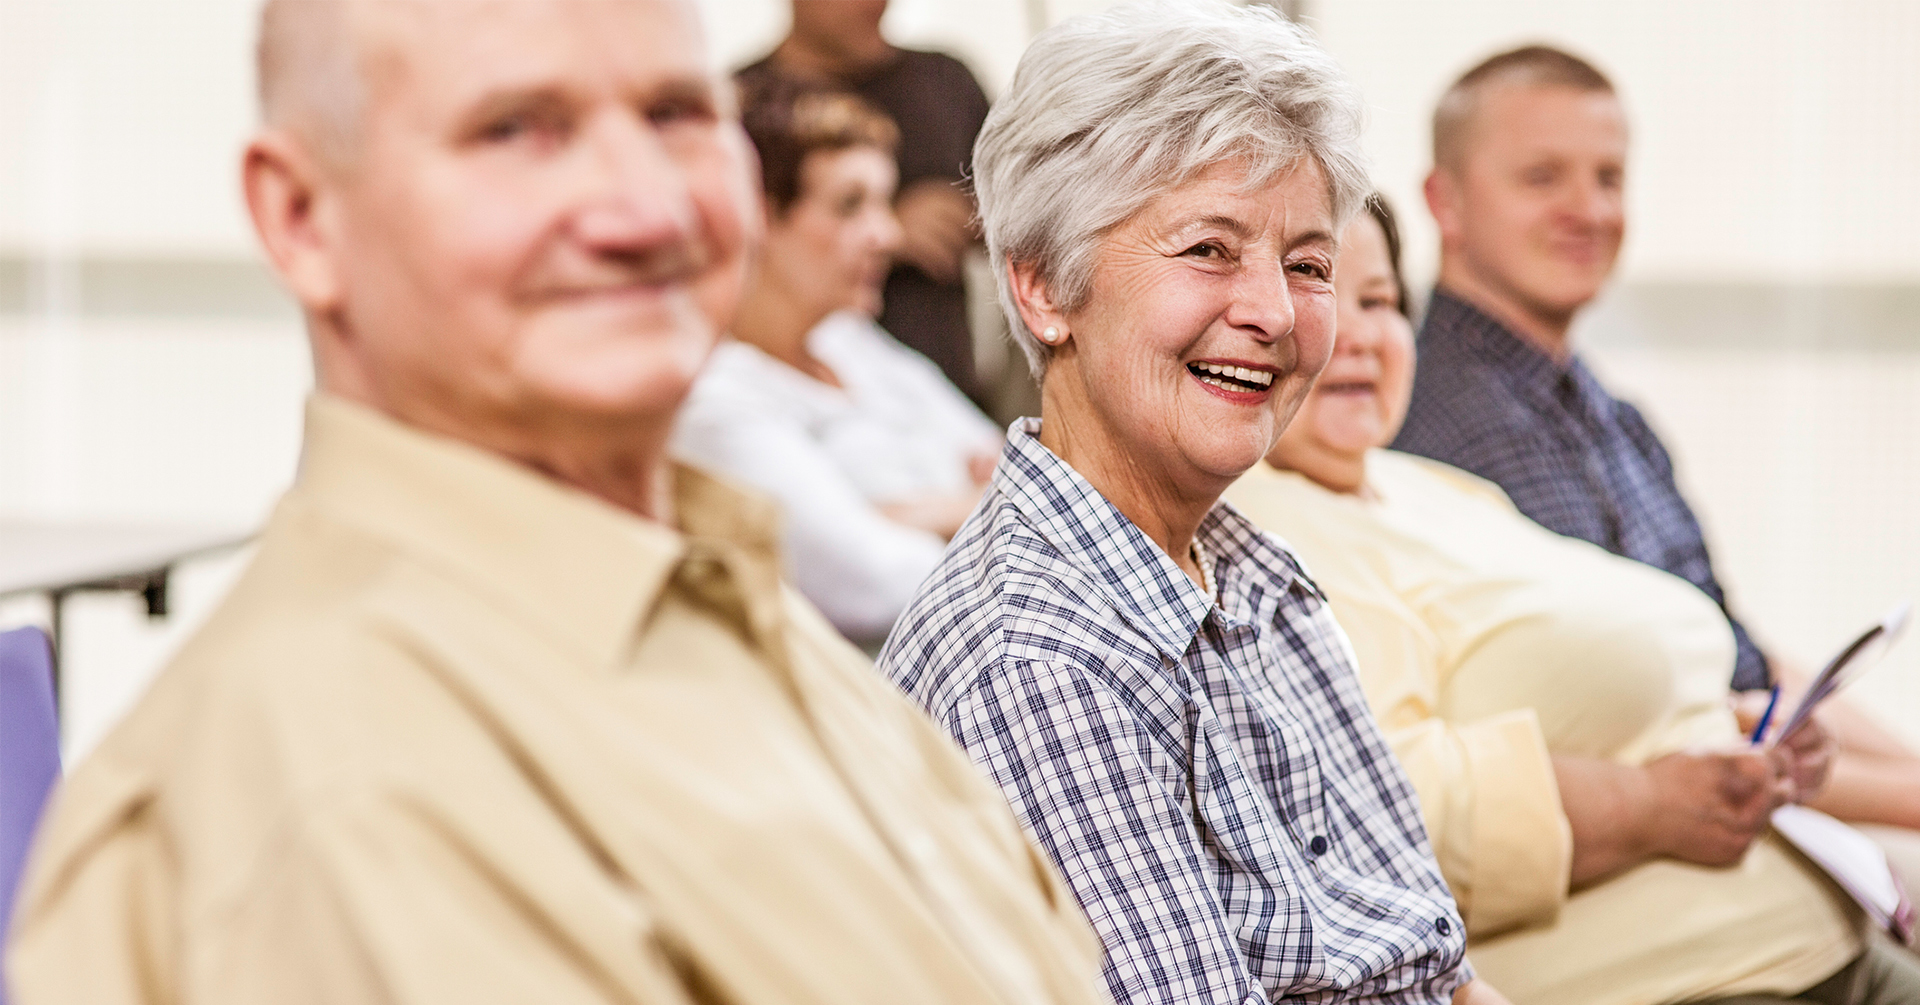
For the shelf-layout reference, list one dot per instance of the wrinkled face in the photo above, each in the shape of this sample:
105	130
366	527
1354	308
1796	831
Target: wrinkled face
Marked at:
832	247
1362	395
1541	195
1211	312
549	220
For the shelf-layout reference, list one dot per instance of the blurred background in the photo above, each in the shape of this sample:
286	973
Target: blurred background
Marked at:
1766	316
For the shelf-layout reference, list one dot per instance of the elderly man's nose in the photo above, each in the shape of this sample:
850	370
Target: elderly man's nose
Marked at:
636	194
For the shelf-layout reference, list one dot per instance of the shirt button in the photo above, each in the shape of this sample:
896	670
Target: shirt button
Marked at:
1318	845
1445	927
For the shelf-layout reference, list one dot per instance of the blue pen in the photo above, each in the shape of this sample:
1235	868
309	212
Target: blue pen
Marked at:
1766	718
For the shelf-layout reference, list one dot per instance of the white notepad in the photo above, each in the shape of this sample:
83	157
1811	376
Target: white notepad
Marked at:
1854	862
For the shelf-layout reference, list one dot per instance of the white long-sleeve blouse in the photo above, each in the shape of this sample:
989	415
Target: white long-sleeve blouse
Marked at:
831	456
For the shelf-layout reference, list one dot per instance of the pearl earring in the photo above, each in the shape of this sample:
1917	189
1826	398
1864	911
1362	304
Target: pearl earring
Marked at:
1051	335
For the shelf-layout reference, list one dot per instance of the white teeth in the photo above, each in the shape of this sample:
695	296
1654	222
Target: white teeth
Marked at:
1258	378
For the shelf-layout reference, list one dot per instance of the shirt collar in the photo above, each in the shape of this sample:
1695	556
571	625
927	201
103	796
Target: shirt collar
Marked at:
582	569
1525	367
1524	363
1142	581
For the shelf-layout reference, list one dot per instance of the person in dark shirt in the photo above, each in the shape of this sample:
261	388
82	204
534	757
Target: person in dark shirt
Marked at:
939	108
1528	189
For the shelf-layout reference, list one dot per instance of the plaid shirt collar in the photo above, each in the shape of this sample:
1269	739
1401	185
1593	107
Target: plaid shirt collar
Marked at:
1140	580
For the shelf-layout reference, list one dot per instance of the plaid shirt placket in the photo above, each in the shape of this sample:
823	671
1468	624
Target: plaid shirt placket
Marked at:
1178	761
1580	463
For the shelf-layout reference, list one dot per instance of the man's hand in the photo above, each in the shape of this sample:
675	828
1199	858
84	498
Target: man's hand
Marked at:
1805	756
1708	808
936	227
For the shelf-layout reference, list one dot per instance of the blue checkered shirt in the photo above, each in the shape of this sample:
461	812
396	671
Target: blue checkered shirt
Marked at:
1207	777
1577	460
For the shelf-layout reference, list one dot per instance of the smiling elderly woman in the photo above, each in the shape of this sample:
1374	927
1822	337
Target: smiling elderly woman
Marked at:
1158	688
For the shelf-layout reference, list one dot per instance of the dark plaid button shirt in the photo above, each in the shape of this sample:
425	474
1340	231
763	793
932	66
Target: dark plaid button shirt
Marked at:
1576	459
1206	775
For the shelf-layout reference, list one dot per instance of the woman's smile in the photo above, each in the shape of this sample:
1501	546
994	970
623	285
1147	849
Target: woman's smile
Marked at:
1239	382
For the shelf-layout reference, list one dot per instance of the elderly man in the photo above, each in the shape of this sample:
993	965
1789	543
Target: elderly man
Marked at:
1528	185
508	708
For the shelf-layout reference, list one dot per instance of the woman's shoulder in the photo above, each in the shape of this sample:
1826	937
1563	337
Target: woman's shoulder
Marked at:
1395	470
845	334
1001	594
849	340
740	383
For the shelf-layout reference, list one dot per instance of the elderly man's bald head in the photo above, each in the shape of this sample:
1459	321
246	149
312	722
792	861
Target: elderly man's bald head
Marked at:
309	64
518	223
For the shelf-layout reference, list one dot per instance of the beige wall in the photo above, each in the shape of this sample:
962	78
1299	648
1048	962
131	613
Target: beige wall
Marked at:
1776	143
1773	139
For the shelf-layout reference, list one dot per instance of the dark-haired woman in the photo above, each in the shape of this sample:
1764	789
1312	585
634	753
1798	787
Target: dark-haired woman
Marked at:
873	455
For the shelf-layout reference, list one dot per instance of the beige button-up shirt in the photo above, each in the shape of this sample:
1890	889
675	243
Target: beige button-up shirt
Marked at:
462	734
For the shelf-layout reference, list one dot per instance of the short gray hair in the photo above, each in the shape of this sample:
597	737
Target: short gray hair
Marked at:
1108	110
309	74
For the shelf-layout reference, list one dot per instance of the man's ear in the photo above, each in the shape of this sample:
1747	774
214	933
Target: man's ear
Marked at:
1443	193
1035	300
297	217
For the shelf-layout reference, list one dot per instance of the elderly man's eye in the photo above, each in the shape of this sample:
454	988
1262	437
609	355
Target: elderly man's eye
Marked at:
520	126
679	109
502	130
1312	270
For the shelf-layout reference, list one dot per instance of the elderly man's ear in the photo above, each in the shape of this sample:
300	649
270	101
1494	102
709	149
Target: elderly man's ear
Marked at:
297	216
1030	293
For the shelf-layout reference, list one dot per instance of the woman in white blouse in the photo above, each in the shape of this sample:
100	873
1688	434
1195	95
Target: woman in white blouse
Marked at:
875	458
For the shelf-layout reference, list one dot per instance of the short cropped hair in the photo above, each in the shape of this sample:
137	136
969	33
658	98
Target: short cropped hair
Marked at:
1527	66
309	80
1108	110
788	121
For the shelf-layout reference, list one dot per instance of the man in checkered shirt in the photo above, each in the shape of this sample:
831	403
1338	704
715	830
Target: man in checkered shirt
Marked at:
1528	188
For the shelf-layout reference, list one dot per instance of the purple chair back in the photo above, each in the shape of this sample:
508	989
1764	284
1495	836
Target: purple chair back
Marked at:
29	755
